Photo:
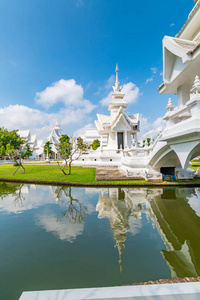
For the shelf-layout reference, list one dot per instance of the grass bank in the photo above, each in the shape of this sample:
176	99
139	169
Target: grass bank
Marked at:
43	174
50	172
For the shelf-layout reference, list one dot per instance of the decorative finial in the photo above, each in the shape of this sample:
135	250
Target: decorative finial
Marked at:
117	88
196	86
57	124
117	68
170	105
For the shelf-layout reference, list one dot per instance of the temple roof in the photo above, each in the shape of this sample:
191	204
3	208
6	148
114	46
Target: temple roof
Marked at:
186	52
187	45
99	126
31	138
23	133
102	118
110	121
190	17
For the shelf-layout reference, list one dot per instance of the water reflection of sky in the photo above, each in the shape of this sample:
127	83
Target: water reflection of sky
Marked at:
166	218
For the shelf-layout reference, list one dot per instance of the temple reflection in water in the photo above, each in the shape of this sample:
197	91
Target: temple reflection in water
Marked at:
173	213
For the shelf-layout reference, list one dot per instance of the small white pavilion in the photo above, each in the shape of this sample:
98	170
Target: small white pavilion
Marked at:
36	145
54	137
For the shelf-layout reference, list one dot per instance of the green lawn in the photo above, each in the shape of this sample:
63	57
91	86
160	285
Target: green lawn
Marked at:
48	173
53	173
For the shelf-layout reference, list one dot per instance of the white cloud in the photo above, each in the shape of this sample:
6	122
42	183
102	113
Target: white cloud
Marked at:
161	73
63	91
154	70
130	90
74	112
25	198
40	122
21	117
149	80
150	129
63	229
172	24
81	131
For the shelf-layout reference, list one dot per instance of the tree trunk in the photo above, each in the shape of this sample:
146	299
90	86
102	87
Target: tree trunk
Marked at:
62	169
70	167
20	166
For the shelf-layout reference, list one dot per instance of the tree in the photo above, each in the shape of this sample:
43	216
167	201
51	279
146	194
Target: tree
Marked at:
10	138
96	144
11	145
47	148
76	212
27	152
70	149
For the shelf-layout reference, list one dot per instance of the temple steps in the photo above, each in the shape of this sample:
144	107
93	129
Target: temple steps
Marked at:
112	173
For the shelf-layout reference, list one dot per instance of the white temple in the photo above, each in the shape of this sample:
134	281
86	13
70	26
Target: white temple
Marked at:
54	138
115	131
179	142
37	145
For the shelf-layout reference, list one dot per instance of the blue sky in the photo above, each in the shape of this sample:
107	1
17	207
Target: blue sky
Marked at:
57	59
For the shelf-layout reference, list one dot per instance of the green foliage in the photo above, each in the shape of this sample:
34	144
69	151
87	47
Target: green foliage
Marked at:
7	188
9	141
70	149
16	164
96	144
28	152
47	148
3	151
148	140
81	145
64	146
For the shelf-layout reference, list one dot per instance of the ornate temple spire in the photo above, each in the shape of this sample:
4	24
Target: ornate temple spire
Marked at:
170	105
196	86
117	88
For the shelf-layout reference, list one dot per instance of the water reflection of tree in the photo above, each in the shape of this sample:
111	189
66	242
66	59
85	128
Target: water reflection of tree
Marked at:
14	189
76	212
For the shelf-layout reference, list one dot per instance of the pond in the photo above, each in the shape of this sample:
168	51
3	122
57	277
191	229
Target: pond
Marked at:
55	237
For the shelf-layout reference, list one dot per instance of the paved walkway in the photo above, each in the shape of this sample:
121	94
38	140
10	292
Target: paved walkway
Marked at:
112	173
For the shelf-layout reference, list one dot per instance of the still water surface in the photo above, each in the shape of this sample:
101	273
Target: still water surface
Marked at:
60	237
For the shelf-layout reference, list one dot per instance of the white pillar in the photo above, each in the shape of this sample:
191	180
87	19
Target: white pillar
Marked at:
125	139
183	93
116	142
101	141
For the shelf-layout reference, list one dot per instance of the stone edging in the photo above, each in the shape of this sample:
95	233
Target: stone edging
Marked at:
167	281
101	184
